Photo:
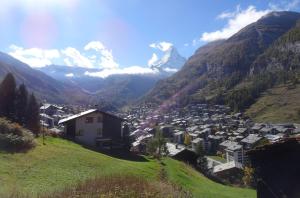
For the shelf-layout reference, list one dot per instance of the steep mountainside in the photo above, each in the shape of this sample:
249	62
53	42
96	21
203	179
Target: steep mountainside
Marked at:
217	68
280	104
42	85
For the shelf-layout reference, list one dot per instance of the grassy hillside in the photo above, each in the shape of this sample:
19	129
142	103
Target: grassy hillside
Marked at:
61	163
277	105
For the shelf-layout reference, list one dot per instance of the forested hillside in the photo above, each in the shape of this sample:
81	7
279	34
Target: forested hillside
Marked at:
237	70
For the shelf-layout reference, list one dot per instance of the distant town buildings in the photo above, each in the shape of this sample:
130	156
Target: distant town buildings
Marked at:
213	127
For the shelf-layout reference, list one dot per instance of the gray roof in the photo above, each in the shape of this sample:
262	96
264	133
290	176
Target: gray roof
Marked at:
228	143
85	113
251	139
234	147
197	140
241	130
227	166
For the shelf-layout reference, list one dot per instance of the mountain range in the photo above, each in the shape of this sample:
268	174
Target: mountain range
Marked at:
62	84
44	87
224	71
235	71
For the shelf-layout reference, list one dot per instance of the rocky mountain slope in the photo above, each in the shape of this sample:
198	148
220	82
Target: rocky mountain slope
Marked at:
41	84
217	70
171	60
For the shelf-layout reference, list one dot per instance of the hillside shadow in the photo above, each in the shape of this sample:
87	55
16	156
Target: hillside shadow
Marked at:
119	153
9	150
124	155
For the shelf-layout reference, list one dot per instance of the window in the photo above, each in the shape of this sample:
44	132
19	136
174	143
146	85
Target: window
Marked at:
89	120
99	132
100	118
79	132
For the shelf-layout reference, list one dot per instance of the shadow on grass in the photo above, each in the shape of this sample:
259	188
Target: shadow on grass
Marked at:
125	155
120	153
13	150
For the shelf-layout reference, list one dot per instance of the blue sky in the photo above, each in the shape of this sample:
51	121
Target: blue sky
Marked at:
116	34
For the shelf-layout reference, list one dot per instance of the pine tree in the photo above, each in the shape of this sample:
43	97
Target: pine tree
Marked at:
21	104
7	97
157	145
33	116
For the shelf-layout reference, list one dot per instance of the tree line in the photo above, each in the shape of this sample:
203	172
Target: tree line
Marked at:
18	106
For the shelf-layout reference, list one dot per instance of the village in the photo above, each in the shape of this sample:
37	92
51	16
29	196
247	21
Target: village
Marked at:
225	137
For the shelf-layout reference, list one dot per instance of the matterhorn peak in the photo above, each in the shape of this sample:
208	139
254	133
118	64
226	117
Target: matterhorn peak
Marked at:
170	61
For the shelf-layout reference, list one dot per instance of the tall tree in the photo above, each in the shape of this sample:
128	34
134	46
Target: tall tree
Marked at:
21	104
33	115
158	145
8	96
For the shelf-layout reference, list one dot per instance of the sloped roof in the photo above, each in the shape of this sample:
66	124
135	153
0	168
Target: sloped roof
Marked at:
86	113
227	166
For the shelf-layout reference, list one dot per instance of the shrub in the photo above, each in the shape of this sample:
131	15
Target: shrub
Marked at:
15	137
121	186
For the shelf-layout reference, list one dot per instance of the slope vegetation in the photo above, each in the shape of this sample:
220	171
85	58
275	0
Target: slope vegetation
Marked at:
60	163
277	105
41	84
237	70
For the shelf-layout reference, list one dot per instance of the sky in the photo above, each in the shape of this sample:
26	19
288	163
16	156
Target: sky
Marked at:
121	35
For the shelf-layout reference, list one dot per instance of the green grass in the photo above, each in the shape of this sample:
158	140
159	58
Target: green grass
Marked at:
217	158
277	105
201	186
61	163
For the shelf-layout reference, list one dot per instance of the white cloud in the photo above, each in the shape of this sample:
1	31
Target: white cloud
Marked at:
227	14
75	58
163	46
152	60
35	57
95	55
106	60
128	70
284	5
70	75
236	21
170	70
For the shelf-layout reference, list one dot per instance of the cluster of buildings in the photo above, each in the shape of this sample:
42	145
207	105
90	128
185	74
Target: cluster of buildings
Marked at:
224	137
213	127
50	114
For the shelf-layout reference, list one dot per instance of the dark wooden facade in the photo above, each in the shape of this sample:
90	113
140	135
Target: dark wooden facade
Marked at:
277	169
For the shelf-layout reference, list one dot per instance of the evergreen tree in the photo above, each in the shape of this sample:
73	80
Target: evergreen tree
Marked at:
157	146
21	104
33	115
7	97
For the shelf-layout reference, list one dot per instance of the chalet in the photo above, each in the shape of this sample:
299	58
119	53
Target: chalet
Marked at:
49	109
231	171
277	168
94	127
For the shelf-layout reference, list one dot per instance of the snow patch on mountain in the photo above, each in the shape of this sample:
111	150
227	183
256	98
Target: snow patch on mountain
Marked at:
171	61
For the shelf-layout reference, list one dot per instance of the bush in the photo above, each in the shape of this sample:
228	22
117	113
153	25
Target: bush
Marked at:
121	186
15	137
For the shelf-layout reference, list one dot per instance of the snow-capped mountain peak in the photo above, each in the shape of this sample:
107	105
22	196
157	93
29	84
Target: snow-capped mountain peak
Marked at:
171	60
